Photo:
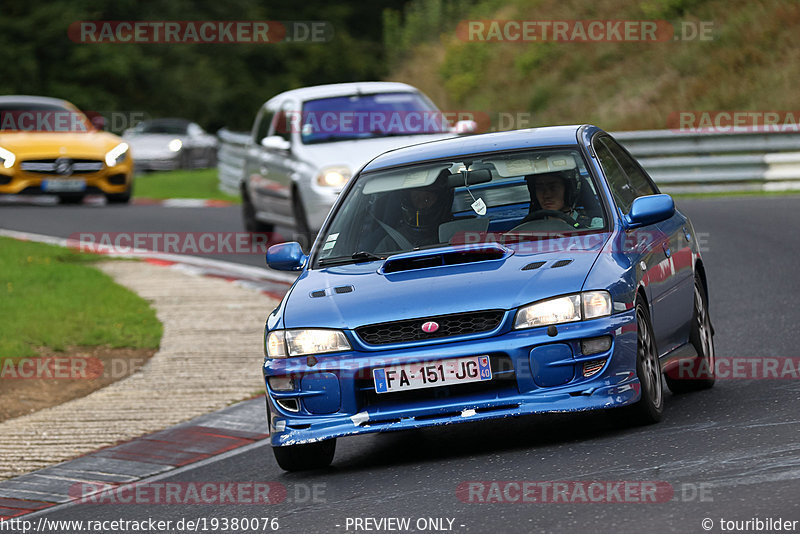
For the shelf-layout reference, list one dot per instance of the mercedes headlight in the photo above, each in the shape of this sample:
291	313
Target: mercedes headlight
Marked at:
117	155
301	342
7	158
335	176
566	309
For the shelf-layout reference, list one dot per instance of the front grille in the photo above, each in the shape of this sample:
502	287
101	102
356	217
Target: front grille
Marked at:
449	325
51	166
503	380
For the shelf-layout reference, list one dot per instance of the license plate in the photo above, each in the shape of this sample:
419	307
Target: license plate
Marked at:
432	374
61	186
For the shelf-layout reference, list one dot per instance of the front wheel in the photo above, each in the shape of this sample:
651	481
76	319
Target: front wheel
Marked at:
120	198
251	224
303	232
304	457
650	407
701	336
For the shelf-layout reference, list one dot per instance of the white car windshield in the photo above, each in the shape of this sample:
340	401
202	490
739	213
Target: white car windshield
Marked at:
502	197
369	115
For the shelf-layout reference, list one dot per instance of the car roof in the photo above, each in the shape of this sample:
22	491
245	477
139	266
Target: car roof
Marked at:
345	89
474	144
28	99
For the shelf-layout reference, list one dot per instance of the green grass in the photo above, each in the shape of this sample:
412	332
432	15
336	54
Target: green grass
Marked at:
202	183
54	297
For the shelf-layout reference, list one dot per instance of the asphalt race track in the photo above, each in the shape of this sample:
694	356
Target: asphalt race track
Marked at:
730	453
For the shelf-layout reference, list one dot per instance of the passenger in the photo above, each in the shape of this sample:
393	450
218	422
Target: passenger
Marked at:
422	211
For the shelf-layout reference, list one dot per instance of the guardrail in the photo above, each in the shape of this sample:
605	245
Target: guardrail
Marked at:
684	162
230	159
679	162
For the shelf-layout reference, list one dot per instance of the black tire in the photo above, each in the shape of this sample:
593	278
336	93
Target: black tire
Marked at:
650	407
303	233
305	457
701	336
70	199
120	198
251	224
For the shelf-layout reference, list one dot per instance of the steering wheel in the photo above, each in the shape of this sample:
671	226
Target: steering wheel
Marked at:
543	214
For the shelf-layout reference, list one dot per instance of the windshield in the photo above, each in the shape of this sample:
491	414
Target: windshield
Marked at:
372	115
503	197
28	117
162	127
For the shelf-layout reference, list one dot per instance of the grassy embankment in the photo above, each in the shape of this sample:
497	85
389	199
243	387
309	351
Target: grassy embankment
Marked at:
53	298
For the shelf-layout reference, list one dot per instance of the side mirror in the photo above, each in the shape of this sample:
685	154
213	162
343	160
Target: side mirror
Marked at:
464	127
286	257
275	142
650	210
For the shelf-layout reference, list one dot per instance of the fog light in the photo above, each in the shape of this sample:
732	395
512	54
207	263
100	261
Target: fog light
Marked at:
595	345
593	367
281	383
288	404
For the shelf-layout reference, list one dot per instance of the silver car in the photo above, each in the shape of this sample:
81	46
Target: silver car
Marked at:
306	144
167	144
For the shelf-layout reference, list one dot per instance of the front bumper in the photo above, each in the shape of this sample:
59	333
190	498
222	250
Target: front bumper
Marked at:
108	180
533	373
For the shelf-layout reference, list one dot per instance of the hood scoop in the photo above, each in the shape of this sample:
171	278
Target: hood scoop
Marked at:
331	291
455	255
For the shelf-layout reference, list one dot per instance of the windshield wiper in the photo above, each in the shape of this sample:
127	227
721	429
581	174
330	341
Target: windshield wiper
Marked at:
357	257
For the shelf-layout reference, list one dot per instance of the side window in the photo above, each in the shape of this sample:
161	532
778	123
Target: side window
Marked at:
262	127
640	183
617	181
283	122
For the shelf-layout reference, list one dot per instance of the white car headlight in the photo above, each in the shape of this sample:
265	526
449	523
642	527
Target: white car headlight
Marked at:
301	342
566	309
7	158
175	145
117	155
335	176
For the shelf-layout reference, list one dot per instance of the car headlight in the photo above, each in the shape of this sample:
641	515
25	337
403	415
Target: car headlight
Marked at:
566	309
175	145
301	342
117	155
7	158
335	176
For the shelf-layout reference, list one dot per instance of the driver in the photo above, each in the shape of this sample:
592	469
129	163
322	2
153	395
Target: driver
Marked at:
555	191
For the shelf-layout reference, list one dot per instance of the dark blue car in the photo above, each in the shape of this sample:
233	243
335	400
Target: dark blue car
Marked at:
484	277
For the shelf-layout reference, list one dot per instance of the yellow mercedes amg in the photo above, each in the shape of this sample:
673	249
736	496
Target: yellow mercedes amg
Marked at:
48	146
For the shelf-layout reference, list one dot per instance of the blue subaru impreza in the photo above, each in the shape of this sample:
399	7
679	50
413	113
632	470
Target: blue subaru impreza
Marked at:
491	276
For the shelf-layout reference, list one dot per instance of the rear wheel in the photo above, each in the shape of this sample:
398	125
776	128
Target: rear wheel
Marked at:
701	337
304	457
650	407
